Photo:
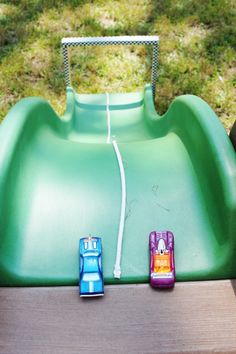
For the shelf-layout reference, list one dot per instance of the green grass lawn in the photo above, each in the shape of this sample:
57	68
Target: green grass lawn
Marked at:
197	50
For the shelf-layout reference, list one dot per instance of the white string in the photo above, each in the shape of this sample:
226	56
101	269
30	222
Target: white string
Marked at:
117	268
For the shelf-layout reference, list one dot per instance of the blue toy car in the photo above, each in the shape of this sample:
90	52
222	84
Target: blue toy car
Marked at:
91	274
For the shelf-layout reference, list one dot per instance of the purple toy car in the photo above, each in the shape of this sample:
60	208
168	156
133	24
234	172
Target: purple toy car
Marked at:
162	267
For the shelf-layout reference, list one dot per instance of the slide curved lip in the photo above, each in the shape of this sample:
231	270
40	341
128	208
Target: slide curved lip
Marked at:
111	107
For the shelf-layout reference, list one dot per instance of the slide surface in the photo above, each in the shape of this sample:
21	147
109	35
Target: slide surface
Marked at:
60	180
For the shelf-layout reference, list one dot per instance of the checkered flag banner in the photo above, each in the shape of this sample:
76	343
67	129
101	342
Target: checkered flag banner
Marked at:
107	41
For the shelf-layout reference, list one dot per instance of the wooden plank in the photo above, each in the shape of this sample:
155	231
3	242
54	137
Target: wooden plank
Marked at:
195	317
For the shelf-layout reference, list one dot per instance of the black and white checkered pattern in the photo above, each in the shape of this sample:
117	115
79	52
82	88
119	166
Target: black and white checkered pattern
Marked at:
105	41
155	67
66	65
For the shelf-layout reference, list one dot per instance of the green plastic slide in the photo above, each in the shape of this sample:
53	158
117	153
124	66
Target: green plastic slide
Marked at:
60	180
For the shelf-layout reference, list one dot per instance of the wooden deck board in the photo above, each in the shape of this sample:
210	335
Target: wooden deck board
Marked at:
195	317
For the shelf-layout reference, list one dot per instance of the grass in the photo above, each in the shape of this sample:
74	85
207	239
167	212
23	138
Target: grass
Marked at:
197	50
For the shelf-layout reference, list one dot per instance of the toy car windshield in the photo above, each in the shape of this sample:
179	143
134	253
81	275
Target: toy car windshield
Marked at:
162	268
91	273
